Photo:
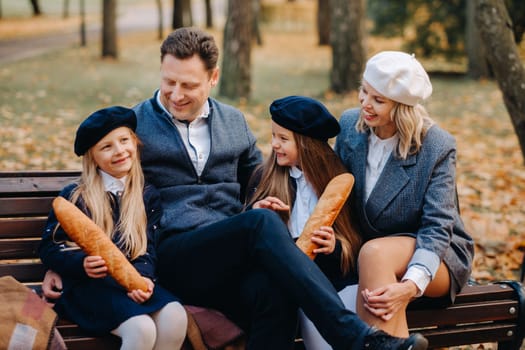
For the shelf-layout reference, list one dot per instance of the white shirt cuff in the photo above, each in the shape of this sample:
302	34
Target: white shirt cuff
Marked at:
419	276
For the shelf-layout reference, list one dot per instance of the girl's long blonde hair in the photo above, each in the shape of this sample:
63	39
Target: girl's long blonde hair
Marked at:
319	164
132	222
412	123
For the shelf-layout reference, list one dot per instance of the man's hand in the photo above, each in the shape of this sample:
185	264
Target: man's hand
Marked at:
51	285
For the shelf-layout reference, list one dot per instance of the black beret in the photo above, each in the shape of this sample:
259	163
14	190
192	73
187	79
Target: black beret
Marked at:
305	116
100	123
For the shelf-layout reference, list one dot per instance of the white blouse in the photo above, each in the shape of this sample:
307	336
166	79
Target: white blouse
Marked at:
112	184
305	201
379	151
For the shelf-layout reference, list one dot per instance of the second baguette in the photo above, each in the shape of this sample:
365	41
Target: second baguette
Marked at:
326	210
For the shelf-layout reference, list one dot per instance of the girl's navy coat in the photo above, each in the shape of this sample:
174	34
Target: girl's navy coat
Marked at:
100	305
330	264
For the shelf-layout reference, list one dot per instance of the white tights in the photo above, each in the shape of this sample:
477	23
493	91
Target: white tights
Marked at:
311	336
164	329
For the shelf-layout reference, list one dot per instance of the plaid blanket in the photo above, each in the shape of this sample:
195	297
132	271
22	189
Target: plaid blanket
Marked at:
27	322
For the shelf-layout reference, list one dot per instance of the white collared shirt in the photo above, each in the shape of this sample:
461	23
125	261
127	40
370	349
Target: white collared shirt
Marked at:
420	276
195	135
305	201
379	151
112	184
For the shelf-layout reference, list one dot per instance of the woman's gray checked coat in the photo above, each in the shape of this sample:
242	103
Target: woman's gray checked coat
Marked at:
415	196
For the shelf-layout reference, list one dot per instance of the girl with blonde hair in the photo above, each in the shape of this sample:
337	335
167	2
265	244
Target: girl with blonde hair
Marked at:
112	191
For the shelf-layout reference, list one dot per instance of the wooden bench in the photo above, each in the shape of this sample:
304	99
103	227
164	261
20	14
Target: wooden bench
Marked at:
25	201
481	314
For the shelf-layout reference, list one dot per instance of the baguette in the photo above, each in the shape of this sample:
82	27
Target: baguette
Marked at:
93	241
326	211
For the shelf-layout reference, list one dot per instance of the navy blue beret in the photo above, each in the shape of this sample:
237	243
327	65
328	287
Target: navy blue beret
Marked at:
305	116
100	123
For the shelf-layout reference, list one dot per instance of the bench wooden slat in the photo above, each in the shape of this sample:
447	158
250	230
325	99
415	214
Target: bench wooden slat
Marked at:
21	227
39	174
90	343
69	329
476	334
19	249
14	184
466	313
19	207
31	272
480	293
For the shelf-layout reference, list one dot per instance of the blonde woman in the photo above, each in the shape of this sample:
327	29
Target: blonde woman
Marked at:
113	193
404	196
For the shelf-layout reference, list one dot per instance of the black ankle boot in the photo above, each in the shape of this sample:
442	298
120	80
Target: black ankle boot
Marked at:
379	340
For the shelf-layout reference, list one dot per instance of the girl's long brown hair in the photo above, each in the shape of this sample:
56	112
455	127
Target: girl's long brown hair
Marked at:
319	164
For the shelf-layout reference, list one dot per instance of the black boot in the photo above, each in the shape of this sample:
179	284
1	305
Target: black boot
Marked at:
380	340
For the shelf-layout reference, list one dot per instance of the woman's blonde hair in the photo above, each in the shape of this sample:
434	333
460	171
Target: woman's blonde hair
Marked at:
319	164
132	217
412	123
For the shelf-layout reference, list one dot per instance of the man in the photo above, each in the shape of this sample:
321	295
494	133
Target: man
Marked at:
200	153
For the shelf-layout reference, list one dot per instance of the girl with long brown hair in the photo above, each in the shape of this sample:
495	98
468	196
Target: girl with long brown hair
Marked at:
292	179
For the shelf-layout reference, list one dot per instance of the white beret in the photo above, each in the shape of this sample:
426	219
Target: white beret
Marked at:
398	76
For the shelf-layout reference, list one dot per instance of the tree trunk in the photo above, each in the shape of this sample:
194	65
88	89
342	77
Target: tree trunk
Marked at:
347	39
235	79
256	22
176	18
209	14
502	53
109	28
188	15
323	21
181	14
82	9
36	8
65	9
160	13
477	63
516	9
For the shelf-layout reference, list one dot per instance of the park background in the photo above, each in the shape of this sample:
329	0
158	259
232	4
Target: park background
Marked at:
49	84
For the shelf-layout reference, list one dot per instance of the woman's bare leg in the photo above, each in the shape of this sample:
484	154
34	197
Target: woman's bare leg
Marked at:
383	262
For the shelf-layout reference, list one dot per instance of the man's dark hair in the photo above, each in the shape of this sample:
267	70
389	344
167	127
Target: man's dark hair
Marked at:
188	41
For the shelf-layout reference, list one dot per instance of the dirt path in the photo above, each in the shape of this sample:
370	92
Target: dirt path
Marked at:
40	35
34	36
